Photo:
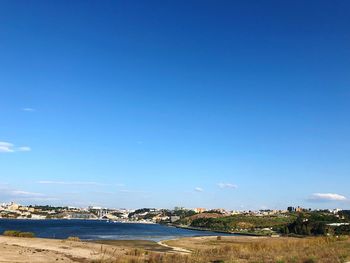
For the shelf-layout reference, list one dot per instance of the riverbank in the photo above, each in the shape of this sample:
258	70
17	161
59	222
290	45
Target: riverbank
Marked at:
43	250
15	249
217	231
242	249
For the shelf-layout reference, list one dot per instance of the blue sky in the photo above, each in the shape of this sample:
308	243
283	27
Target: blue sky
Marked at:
234	104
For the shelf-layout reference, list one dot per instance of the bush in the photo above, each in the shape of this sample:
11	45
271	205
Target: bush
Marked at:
26	234
15	233
11	233
76	239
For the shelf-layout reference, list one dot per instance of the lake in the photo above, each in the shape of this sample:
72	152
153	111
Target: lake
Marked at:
98	229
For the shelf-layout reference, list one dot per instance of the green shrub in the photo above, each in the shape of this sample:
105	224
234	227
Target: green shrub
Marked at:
11	233
15	233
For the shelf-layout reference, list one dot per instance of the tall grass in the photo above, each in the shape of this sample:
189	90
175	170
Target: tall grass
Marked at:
308	250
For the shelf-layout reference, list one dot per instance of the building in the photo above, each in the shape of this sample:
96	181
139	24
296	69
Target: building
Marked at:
13	207
199	210
219	210
299	209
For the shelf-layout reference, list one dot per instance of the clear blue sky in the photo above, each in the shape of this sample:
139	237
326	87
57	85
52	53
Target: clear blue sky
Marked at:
234	104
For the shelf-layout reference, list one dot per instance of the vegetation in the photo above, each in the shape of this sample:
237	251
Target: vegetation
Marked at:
302	223
316	223
75	239
279	250
239	223
345	214
48	207
183	213
15	233
146	245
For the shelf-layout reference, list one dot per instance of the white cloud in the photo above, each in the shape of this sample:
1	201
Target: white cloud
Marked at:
28	109
70	182
227	185
198	189
326	197
6	147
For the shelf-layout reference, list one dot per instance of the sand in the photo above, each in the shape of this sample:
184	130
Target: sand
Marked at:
42	250
14	249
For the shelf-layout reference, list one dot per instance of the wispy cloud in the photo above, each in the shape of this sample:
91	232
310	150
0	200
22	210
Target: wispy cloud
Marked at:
28	109
19	193
42	199
325	197
6	147
199	189
70	182
227	185
9	193
24	149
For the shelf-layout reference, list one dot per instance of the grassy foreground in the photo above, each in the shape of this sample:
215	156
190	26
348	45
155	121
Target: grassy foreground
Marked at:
226	249
240	249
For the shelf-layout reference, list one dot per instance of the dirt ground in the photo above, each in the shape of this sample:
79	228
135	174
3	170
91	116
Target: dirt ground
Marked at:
41	250
194	249
14	249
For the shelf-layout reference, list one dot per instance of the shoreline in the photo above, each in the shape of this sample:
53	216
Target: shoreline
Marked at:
228	233
50	250
218	231
44	250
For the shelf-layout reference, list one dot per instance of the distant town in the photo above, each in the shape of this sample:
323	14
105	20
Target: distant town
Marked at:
291	221
143	215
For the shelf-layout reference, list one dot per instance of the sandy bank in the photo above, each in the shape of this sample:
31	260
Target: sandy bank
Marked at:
42	250
14	249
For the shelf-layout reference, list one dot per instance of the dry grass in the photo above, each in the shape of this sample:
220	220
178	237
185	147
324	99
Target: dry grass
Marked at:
146	245
280	250
15	233
275	250
75	239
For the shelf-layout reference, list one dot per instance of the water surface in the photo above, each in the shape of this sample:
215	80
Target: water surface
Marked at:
98	229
